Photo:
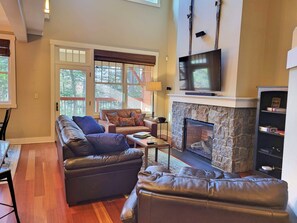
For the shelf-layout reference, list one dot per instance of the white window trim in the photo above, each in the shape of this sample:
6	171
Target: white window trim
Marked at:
11	73
144	2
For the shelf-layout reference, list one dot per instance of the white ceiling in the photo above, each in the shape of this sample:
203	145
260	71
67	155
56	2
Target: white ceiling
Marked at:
22	17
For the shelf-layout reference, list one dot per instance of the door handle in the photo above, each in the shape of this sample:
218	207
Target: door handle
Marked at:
57	106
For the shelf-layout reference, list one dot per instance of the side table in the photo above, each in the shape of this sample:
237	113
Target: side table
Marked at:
160	129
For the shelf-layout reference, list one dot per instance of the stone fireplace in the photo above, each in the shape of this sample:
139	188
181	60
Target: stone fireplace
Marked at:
233	131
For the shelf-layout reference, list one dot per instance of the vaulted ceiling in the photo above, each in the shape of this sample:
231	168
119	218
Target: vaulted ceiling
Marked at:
22	17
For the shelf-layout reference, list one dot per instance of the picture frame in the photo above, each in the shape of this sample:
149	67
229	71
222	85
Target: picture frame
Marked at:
275	103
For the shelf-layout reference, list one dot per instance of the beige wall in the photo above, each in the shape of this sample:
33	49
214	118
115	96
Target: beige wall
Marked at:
265	39
252	53
283	16
205	19
103	22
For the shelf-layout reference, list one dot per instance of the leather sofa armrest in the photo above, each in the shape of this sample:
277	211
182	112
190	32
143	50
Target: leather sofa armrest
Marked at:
109	127
129	211
153	127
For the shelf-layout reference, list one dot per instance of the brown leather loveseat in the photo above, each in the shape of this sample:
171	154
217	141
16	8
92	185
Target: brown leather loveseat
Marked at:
89	173
205	197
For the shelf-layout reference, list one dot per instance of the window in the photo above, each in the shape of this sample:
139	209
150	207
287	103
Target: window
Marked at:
120	85
7	71
86	80
72	55
120	80
155	3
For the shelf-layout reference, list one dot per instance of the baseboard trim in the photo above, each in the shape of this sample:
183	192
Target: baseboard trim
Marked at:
31	140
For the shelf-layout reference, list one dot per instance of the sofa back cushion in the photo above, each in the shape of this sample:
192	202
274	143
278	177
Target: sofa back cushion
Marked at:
138	117
74	138
124	113
66	121
113	118
88	124
264	192
108	142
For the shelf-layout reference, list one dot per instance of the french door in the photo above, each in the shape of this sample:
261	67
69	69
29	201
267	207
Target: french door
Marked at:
72	93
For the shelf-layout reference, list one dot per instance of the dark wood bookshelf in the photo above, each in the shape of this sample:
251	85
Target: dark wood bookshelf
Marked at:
267	141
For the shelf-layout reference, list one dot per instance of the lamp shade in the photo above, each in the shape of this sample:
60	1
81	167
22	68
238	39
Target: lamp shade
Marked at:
153	86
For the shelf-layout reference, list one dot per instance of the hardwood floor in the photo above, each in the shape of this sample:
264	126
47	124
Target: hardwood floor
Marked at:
40	195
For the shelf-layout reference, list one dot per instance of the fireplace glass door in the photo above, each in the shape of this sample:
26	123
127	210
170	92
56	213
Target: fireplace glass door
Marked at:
198	137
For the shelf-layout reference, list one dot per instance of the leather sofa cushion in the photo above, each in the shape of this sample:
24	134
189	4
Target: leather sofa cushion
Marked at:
102	160
265	192
108	142
65	121
207	174
76	141
132	129
88	124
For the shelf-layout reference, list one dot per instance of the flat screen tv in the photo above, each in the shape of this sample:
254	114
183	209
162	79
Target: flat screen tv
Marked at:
200	72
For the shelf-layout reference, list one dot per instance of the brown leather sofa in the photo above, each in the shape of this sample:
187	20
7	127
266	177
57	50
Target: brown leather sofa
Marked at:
149	126
205	197
89	175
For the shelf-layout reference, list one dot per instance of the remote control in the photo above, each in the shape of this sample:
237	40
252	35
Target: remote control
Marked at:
150	143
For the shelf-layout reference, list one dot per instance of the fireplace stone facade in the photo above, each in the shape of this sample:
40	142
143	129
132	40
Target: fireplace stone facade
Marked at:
234	130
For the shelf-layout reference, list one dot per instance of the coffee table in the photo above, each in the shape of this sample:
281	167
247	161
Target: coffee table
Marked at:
158	143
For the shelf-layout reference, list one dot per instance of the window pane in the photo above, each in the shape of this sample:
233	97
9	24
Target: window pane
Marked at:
69	55
137	75
3	87
82	56
108	96
72	92
62	54
4	64
75	56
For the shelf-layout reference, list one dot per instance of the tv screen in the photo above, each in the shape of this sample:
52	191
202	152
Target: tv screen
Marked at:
200	71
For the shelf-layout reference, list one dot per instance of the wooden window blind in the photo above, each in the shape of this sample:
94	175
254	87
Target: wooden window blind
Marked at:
120	57
4	47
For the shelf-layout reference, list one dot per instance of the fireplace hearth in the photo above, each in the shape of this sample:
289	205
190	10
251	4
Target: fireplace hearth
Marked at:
198	137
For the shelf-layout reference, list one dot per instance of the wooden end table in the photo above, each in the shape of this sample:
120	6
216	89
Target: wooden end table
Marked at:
158	143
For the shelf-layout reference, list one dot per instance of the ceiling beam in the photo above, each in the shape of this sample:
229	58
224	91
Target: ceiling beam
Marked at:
14	12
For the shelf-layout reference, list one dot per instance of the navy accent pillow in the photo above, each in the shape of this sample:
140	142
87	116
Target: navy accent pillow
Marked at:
108	142
88	124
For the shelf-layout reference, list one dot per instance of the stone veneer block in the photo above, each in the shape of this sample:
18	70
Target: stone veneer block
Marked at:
234	132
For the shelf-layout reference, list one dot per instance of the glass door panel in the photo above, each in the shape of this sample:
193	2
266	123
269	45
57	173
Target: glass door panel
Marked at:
72	92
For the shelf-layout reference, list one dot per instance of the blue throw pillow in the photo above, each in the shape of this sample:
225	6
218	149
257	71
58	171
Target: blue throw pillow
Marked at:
108	142
88	124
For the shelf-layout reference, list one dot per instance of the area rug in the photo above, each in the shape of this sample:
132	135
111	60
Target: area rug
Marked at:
12	159
175	164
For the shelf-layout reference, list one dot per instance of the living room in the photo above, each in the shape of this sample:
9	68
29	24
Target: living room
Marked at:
254	38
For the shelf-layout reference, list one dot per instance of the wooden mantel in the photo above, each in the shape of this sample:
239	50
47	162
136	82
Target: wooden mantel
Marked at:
231	102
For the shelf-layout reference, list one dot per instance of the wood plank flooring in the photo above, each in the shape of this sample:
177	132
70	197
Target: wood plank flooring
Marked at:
40	194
